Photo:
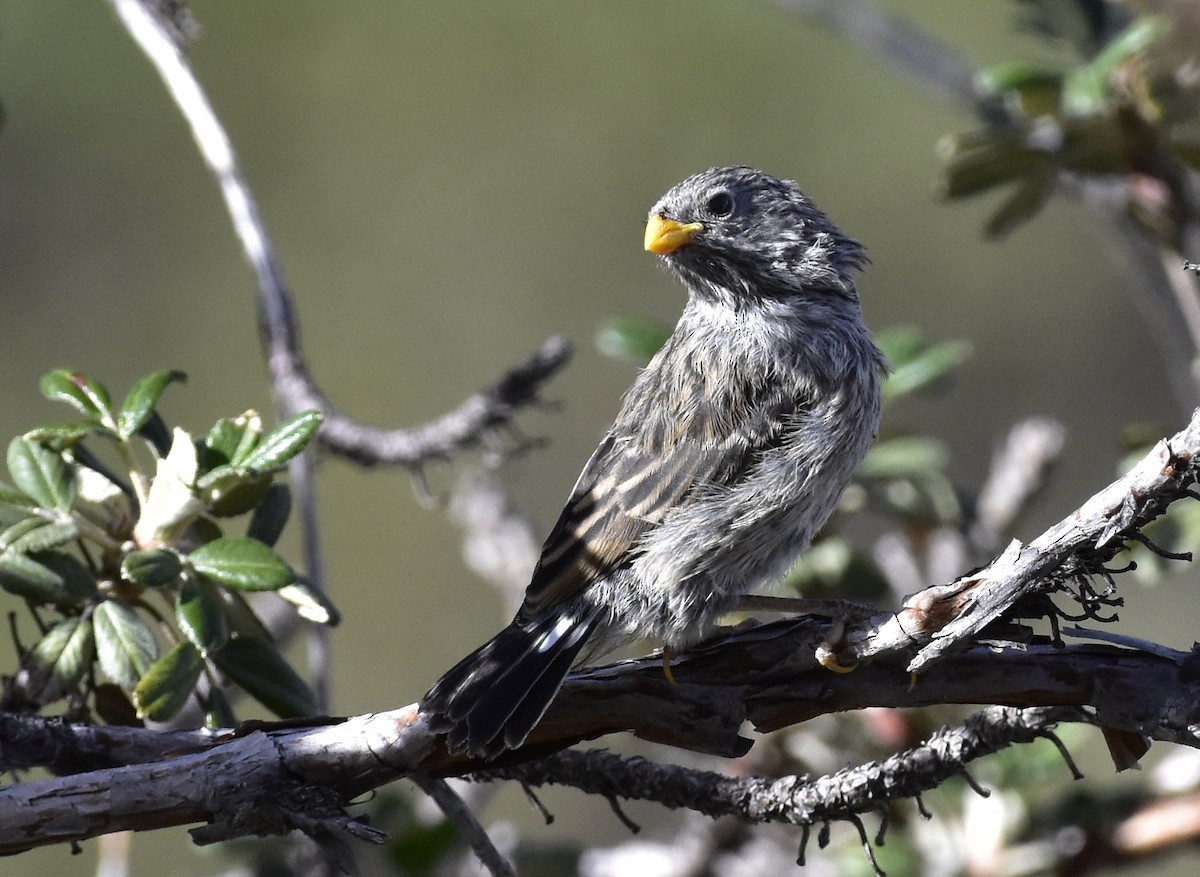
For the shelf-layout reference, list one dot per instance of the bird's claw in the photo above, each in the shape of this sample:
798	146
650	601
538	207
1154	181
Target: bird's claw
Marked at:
827	649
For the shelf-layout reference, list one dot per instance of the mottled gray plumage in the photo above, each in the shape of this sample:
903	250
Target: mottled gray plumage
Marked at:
730	451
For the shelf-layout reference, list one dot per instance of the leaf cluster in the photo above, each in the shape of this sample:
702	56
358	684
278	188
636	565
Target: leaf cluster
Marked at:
1127	108
138	594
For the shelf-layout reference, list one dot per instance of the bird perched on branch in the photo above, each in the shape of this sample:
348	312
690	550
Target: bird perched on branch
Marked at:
730	451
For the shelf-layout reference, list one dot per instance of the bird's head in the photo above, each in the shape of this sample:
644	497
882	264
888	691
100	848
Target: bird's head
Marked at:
738	234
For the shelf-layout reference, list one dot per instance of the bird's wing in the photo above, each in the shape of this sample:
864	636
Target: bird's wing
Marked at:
645	467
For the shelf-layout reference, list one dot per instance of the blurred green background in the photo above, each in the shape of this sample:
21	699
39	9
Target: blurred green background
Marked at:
447	184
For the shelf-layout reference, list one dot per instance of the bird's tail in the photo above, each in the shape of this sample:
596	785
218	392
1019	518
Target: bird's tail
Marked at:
490	700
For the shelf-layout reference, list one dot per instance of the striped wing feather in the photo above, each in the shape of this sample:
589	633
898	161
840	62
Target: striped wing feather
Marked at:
629	486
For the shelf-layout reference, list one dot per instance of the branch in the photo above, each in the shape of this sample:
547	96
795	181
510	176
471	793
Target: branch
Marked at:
790	799
294	388
267	777
1017	473
945	617
1167	299
461	817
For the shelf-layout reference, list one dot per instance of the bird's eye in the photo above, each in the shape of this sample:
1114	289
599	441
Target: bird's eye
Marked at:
719	204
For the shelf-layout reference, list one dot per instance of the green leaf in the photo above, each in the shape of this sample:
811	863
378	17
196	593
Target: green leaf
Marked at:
51	535
26	577
169	682
157	567
198	610
78	580
139	404
906	478
155	433
60	658
41	474
17	531
271	515
632	338
11	515
1017	76
251	427
1089	87
9	495
900	344
421	848
125	643
240	615
86	396
259	669
14	507
904	457
220	444
60	436
932	364
236	492
1025	202
218	713
114	707
219	479
201	531
833	569
969	168
311	603
282	443
243	563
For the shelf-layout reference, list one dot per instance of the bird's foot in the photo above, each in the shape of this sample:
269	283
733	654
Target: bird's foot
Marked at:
668	655
840	611
828	648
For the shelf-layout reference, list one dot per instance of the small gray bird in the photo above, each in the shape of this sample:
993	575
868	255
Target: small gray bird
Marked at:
729	453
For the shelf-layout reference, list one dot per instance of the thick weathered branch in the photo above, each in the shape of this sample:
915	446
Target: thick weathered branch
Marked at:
253	782
767	674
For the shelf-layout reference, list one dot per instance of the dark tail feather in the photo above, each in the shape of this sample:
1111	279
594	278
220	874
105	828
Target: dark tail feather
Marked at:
490	700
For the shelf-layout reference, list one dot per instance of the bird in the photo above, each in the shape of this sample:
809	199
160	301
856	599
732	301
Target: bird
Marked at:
729	452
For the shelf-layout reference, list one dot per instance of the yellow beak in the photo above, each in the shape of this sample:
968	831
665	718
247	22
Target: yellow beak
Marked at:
666	235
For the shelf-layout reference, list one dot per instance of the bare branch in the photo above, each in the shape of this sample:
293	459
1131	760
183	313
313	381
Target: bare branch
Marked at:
252	782
468	424
464	820
767	674
268	777
499	543
790	799
1018	471
945	617
294	388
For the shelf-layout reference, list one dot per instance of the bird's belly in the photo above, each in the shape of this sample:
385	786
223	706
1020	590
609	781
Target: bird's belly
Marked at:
678	600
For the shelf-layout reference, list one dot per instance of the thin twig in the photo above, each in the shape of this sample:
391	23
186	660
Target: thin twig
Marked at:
318	637
1017	473
464	820
790	799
